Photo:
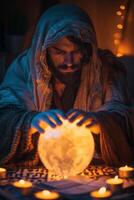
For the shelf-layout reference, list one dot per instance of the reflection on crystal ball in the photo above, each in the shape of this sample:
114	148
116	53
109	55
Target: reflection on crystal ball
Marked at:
67	149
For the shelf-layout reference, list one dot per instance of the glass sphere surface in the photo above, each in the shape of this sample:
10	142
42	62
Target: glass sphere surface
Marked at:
67	149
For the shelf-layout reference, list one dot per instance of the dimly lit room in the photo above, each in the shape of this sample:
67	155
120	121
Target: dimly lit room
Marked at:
66	99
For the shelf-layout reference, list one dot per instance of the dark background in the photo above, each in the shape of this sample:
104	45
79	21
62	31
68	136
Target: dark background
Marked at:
18	19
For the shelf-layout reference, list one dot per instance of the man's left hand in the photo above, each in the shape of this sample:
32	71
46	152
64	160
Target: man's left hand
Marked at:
85	118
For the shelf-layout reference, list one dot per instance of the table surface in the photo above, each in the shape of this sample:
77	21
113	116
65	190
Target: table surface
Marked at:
78	187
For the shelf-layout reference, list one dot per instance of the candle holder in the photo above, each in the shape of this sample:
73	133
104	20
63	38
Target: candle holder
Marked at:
100	194
3	173
126	172
23	186
115	184
47	195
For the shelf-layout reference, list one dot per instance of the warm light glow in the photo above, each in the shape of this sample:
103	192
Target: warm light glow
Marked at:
119	13
115	181
122	7
3	172
72	145
126	168
126	172
2	169
22	184
117	35
101	193
46	192
119	26
122	17
119	54
116	177
22	181
102	190
116	41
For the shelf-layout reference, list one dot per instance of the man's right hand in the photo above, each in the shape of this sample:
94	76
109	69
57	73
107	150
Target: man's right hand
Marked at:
48	118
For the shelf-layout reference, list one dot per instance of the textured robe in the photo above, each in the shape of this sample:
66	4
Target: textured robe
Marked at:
27	90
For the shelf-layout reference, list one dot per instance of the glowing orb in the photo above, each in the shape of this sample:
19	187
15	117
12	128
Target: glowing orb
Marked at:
67	149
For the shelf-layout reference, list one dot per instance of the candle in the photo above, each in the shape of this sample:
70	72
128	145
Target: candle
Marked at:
3	172
126	172
23	186
115	184
102	193
46	194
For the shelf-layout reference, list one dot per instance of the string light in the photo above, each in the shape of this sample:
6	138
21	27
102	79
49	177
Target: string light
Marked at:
119	28
117	35
116	41
119	54
122	7
119	13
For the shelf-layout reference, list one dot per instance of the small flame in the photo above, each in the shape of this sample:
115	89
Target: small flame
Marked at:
46	192
21	181
126	166
102	190
116	177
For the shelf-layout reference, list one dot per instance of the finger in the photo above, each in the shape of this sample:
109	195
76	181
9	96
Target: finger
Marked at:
70	112
85	120
94	128
48	121
59	113
89	117
77	115
54	118
94	122
36	126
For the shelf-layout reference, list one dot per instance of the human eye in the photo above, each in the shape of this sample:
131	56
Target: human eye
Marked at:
59	52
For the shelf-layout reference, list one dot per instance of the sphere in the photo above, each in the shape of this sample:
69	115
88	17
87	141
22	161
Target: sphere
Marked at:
67	149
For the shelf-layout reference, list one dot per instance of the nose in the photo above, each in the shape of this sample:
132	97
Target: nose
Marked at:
69	59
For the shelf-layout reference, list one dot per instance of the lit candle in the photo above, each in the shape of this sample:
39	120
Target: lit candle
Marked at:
24	186
126	172
102	193
115	183
3	172
46	194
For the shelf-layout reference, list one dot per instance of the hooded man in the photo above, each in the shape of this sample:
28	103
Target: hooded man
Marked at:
65	74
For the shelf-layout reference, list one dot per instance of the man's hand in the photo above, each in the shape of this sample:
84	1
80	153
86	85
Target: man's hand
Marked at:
85	118
43	119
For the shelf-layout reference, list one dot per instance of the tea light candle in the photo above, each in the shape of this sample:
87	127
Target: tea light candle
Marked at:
126	172
102	193
3	172
24	186
46	194
115	183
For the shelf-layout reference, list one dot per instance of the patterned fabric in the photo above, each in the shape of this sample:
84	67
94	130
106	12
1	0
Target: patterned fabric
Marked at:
27	86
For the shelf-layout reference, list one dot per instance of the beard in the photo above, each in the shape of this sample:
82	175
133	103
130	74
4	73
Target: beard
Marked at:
67	78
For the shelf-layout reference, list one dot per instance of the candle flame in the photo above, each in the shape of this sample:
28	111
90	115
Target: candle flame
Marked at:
126	166
21	181
116	177
2	169
102	190
46	192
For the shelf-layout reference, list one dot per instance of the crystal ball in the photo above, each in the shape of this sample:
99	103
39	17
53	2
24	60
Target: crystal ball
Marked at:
67	149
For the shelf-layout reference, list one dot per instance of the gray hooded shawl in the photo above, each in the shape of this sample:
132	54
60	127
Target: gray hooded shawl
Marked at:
27	90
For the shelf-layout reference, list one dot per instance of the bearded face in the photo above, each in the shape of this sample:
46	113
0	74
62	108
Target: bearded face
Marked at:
65	60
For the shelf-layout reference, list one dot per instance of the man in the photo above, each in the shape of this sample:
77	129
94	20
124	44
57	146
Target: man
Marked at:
64	74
